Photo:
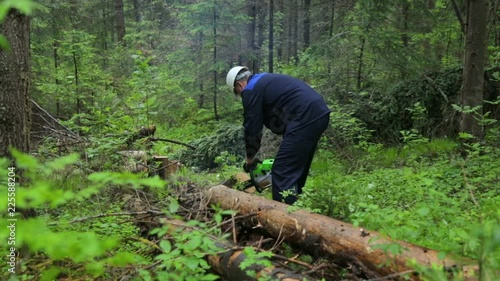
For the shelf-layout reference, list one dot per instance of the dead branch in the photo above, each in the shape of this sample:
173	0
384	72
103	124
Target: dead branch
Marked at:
173	141
151	212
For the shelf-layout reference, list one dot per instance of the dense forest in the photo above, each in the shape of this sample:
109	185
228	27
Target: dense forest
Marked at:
115	120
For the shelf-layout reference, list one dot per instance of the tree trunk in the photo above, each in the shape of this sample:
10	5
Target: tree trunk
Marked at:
261	13
137	13
325	235
405	39
271	36
330	34
360	64
55	48
119	20
307	23
200	82
289	29
77	82
248	50
279	47
227	263
295	31
474	64
15	78
216	115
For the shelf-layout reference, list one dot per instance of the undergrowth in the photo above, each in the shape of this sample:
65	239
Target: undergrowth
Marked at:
423	192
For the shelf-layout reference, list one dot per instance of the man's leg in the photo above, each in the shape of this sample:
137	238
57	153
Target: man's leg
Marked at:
289	165
293	160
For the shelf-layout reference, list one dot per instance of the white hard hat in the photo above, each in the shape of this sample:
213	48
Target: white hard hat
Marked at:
232	75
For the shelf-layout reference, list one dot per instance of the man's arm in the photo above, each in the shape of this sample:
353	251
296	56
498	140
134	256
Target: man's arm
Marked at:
253	123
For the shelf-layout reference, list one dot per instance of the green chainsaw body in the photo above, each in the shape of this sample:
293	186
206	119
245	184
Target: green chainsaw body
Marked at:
261	177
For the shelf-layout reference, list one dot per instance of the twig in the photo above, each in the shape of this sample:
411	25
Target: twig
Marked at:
436	86
278	241
459	16
108	215
468	185
183	225
261	241
392	275
146	241
53	119
234	229
173	141
164	167
152	265
236	218
304	264
280	257
316	268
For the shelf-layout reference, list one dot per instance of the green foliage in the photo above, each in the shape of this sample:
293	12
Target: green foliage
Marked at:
254	261
182	257
422	105
423	192
94	249
24	6
387	69
227	140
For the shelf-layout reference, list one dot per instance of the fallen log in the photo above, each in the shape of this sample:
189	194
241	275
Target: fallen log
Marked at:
335	238
228	263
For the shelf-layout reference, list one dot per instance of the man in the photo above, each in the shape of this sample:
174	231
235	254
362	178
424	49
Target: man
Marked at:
288	107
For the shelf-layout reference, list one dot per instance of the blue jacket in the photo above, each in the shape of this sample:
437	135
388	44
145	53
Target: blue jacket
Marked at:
279	102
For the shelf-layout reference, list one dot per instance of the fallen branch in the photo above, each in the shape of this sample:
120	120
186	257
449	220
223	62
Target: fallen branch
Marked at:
325	235
228	262
173	141
150	212
69	132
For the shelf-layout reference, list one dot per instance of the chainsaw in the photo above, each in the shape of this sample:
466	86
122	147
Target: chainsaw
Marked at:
261	177
258	179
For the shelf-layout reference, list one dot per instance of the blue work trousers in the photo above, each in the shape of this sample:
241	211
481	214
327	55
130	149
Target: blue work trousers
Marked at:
293	160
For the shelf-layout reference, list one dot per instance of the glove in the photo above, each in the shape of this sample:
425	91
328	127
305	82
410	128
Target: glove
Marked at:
250	167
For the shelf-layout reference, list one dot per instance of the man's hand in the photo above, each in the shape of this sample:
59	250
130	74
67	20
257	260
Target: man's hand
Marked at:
251	164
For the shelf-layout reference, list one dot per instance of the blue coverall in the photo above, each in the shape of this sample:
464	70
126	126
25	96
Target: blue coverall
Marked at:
289	107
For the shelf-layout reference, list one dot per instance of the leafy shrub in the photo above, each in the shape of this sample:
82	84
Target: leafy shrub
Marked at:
422	192
227	139
74	242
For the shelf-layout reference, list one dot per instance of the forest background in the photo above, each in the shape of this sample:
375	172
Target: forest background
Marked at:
411	151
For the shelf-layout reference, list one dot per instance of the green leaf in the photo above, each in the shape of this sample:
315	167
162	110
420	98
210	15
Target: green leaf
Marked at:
4	43
166	246
60	163
173	206
24	6
25	160
51	273
424	211
441	255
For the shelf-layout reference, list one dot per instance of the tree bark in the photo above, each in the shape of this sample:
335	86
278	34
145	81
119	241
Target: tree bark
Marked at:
474	63
227	264
249	52
271	36
261	14
15	78
405	38
279	47
216	114
55	48
325	235
307	23
360	64
119	20
137	12
295	31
